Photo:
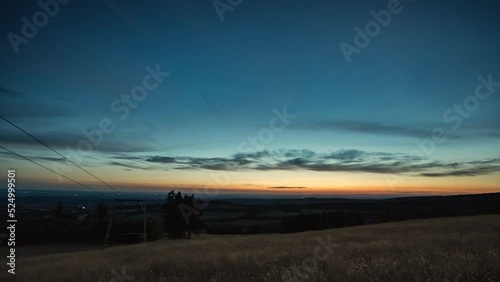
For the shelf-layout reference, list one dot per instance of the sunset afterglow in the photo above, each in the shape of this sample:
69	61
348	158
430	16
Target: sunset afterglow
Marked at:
183	100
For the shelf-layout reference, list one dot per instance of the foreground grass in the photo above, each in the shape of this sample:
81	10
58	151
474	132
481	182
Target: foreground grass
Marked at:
450	249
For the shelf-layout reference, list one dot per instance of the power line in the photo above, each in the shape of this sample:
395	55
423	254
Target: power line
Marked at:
21	156
43	143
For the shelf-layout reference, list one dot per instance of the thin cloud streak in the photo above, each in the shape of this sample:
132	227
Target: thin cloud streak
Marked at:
9	92
338	161
287	187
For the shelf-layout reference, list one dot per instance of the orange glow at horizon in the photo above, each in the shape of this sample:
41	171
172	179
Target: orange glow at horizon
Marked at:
300	182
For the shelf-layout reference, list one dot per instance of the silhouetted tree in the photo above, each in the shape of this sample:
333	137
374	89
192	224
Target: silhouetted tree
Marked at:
181	215
59	210
101	211
191	215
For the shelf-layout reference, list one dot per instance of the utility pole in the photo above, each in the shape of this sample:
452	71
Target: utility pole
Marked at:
143	206
110	223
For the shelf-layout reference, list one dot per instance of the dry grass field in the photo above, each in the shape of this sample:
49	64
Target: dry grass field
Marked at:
448	249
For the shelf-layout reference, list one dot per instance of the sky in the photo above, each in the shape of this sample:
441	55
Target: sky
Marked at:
285	97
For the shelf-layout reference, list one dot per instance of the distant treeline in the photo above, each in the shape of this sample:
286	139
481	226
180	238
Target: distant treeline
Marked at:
178	217
346	213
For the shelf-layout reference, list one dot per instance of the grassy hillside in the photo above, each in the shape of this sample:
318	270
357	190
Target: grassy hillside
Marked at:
449	249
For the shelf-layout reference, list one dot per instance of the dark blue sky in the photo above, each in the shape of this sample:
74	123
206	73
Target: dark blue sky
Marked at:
226	77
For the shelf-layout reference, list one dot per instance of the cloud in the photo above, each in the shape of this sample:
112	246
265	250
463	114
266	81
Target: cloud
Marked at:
347	160
9	92
128	158
126	165
368	127
23	106
33	110
287	187
54	159
67	100
31	157
158	159
414	130
61	140
474	171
